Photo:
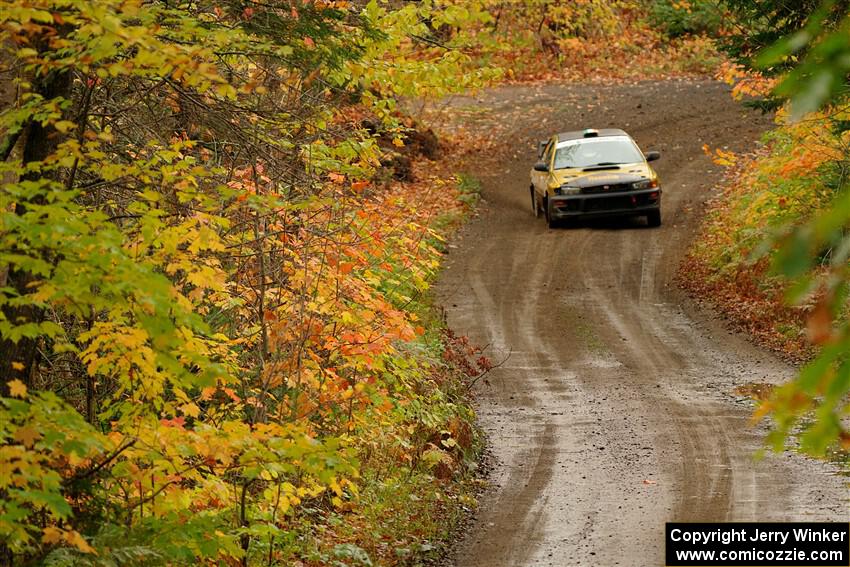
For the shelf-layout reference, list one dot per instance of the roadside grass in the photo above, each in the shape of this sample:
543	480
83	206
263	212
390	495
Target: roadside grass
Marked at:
405	521
403	518
468	194
469	189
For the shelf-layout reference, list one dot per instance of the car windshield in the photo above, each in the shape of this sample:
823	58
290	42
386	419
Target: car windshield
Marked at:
613	150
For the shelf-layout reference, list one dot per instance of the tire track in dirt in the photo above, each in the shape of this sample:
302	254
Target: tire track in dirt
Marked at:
614	412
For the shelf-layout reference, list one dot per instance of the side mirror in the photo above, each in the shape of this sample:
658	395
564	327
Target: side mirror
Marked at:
541	145
541	166
652	156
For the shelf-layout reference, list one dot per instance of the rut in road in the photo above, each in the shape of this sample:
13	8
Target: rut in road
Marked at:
614	411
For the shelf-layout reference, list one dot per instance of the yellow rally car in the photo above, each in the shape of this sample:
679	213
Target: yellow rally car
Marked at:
594	173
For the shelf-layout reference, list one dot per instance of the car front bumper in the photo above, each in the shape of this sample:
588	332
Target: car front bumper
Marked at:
625	203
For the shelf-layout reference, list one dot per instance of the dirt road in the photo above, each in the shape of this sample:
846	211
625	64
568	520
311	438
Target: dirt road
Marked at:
615	410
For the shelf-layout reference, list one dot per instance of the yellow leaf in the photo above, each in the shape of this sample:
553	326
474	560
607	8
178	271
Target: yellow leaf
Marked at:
398	142
17	389
18	365
64	125
284	504
74	538
51	534
191	410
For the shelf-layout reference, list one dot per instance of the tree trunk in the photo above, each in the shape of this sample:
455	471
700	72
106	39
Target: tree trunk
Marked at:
17	360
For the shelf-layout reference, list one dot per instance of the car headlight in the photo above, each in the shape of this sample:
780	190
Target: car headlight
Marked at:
567	190
645	184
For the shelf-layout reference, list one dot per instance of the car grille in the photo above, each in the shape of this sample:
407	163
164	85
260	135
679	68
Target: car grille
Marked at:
608	203
607	188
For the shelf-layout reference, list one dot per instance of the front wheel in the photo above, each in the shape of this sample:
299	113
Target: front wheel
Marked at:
653	218
551	222
535	210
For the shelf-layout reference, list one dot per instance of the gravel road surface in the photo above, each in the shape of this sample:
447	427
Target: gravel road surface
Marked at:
614	410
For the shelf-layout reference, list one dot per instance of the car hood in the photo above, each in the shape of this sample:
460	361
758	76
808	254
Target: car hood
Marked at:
613	176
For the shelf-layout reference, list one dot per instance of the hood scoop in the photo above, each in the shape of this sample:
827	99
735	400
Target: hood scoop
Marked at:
601	167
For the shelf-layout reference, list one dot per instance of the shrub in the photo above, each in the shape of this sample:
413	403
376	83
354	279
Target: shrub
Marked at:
686	17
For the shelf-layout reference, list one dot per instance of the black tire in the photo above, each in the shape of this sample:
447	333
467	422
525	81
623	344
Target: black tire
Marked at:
535	209
552	223
653	218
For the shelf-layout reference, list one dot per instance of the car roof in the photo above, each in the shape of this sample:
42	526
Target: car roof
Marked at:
580	134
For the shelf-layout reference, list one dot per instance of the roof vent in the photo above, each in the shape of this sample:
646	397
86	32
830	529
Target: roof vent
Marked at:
591	133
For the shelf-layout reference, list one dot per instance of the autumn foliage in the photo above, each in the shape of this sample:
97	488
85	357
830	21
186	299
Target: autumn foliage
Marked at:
596	40
217	233
213	288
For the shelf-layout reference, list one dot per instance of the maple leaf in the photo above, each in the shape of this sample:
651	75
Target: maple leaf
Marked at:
74	538
233	396
177	422
17	389
27	436
191	409
51	534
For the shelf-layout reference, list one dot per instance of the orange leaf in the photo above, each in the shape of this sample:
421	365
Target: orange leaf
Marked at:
177	422
27	436
819	325
232	394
